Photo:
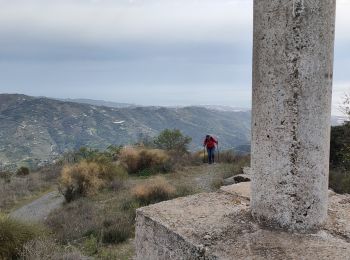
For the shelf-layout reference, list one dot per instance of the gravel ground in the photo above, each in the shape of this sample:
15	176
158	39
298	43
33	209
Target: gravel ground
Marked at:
39	209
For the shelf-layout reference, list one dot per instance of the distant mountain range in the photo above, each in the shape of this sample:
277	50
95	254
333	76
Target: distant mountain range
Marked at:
35	130
98	102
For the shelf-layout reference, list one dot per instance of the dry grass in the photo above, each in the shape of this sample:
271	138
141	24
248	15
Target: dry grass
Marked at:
15	189
92	222
13	235
87	178
154	190
75	221
227	156
46	248
136	160
117	228
122	251
41	248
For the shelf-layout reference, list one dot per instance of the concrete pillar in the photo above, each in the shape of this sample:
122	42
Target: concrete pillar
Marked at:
292	88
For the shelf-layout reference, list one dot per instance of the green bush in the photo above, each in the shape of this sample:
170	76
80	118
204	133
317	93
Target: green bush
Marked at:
339	180
173	140
23	171
85	153
117	230
340	147
14	235
91	245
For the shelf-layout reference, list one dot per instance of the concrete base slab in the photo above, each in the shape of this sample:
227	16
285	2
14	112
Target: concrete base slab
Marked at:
219	226
242	189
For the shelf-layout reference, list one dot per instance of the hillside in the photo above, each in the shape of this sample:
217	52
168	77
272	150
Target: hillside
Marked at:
35	130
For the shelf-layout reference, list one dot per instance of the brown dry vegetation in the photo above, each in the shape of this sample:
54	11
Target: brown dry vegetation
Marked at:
13	235
87	178
153	190
14	190
46	248
136	160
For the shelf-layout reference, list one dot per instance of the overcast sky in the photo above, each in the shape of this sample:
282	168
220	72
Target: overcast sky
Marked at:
150	52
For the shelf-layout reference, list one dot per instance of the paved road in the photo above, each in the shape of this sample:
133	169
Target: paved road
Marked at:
39	209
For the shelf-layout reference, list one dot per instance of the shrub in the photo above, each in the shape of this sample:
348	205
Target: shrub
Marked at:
80	179
340	146
339	180
40	248
13	235
6	176
110	171
137	160
23	171
91	245
173	140
117	229
129	157
86	178
75	220
153	191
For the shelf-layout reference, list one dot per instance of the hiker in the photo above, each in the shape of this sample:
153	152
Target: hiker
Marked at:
209	143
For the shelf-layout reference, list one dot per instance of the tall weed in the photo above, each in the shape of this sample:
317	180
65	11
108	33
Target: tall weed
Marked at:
14	234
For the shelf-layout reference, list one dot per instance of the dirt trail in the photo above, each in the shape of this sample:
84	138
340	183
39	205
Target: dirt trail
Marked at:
200	177
39	209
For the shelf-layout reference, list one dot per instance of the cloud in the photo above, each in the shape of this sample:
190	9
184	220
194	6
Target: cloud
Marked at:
73	47
105	21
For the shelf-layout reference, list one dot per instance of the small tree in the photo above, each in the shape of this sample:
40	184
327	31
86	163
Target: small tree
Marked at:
173	140
345	107
340	139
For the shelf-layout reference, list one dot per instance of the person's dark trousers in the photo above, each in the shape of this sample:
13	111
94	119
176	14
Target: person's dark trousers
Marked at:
211	152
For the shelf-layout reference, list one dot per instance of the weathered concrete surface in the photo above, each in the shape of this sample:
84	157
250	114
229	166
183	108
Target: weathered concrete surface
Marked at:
242	189
220	226
292	85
